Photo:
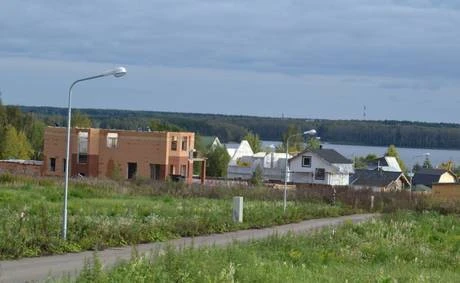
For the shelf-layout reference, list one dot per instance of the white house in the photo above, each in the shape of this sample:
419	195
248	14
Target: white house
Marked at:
320	166
236	151
272	165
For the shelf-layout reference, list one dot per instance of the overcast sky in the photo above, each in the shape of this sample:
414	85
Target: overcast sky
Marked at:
298	58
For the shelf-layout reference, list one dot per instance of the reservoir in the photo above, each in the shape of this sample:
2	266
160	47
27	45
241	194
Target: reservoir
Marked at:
410	156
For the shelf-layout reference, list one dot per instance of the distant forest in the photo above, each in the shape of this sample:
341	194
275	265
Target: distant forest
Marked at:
233	127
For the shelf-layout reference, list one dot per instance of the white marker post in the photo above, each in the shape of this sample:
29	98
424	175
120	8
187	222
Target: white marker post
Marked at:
238	209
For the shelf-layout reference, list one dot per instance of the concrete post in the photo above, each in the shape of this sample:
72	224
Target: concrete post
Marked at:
203	171
334	192
372	202
238	209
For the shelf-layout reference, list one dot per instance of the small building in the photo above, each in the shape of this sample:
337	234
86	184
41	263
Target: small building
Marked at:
104	153
429	176
378	180
320	166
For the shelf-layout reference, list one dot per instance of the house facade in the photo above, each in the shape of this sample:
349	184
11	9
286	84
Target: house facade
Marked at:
104	153
321	166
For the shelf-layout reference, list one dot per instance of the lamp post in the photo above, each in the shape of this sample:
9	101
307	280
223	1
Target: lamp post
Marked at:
411	173
117	72
310	132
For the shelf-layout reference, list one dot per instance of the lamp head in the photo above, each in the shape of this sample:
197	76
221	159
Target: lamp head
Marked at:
119	72
310	132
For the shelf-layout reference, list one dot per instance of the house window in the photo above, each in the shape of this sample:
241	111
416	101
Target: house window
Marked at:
174	143
306	161
112	140
171	170
132	170
183	170
320	173
184	143
53	164
83	147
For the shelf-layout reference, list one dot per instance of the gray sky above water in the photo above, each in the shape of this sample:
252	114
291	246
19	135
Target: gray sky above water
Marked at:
304	59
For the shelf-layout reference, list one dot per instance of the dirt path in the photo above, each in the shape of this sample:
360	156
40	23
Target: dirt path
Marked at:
42	268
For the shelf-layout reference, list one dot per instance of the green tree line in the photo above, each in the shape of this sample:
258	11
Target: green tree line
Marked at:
234	128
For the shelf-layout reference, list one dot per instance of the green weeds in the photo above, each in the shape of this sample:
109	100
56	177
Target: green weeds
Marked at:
105	213
401	247
101	216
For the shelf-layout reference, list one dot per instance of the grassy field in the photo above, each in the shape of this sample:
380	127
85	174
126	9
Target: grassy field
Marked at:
107	214
400	247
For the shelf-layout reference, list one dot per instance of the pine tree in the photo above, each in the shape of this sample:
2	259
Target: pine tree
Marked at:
427	163
217	162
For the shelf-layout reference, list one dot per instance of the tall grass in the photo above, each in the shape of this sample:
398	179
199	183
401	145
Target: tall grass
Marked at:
401	247
104	213
101	216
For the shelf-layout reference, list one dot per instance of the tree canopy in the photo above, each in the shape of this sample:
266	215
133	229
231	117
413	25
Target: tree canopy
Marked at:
217	162
80	120
254	141
21	135
362	162
16	145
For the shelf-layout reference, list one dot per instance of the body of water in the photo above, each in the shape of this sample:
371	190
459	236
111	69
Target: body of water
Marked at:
410	156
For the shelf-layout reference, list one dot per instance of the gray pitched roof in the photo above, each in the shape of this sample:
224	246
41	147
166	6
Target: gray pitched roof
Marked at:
378	162
431	171
332	156
374	178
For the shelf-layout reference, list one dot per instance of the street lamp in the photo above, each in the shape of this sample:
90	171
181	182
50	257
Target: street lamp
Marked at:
411	173
310	132
117	72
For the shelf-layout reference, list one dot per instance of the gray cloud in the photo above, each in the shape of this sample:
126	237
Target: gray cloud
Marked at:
317	59
414	85
356	37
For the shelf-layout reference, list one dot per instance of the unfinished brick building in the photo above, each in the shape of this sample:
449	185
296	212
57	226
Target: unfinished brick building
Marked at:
126	154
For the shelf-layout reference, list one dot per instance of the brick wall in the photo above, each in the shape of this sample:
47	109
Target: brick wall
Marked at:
143	150
32	168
